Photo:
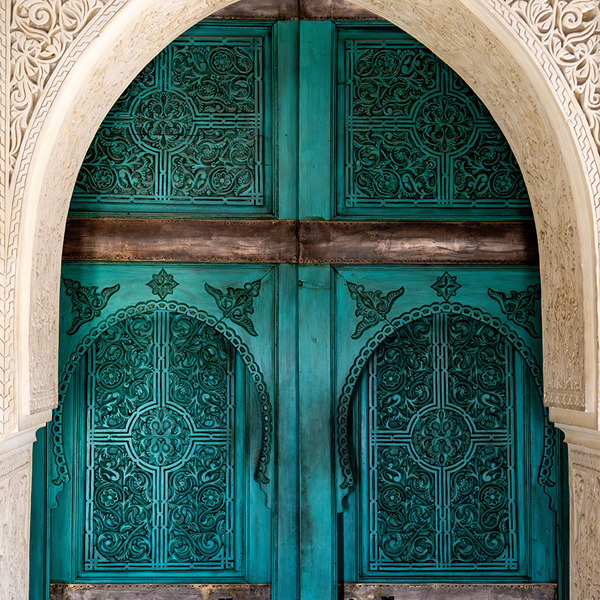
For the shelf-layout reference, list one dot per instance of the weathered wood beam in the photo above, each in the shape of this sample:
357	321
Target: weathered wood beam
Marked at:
186	240
294	9
337	242
417	242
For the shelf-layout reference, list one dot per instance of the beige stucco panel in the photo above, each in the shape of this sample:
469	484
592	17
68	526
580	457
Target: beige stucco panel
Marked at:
71	60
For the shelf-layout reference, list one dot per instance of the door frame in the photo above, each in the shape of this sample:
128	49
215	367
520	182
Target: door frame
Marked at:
519	71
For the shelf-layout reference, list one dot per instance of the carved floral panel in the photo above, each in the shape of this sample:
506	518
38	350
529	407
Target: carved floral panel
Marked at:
160	424
189	133
441	456
415	138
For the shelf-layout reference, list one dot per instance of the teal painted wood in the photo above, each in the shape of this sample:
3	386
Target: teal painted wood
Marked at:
156	442
439	477
191	134
440	406
318	561
413	140
302	336
287	520
315	133
317	495
39	580
164	407
287	40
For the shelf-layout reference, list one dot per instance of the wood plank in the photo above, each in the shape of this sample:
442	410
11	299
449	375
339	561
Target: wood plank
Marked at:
417	242
307	242
186	240
160	592
260	9
294	9
333	9
448	591
346	592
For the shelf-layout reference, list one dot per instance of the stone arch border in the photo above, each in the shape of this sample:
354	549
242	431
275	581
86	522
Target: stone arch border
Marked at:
534	63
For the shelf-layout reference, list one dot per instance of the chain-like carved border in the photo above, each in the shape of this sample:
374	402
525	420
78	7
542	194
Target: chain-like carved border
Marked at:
60	468
343	404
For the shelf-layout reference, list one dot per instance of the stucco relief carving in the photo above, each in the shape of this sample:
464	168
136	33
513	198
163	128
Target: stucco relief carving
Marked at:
40	33
44	323
570	31
563	310
15	482
585	523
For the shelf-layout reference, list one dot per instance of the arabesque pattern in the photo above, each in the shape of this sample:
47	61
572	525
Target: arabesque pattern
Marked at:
415	136
440	472
160	424
188	133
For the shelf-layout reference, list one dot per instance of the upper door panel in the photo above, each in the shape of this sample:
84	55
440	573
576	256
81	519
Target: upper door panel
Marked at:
413	141
191	134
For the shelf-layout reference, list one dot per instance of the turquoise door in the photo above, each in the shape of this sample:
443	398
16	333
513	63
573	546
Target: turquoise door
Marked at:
272	381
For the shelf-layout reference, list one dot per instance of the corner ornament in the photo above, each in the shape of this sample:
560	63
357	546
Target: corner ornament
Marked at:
371	306
236	304
519	307
86	302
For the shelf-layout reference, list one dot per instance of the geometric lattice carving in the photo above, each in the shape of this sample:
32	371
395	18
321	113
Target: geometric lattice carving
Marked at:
416	137
160	424
187	135
440	471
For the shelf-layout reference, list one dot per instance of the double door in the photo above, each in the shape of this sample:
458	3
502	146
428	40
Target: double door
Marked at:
308	381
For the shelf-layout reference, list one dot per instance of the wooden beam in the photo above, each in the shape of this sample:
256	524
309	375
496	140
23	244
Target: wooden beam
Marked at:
307	242
186	240
294	9
417	242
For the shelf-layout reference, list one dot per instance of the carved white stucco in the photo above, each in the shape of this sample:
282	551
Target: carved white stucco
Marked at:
535	63
15	487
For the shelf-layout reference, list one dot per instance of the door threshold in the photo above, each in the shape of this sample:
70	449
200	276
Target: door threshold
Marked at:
351	591
448	591
183	591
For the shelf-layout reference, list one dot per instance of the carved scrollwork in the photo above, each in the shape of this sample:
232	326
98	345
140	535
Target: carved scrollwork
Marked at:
87	303
519	306
40	33
188	132
372	306
450	455
417	137
118	408
236	304
570	31
418	382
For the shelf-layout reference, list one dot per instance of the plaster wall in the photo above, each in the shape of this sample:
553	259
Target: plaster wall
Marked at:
534	63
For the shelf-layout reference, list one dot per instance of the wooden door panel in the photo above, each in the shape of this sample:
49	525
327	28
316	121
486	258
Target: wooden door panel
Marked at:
445	452
413	141
276	200
191	134
165	419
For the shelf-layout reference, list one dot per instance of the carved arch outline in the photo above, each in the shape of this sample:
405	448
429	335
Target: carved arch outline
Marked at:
343	403
60	468
515	73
